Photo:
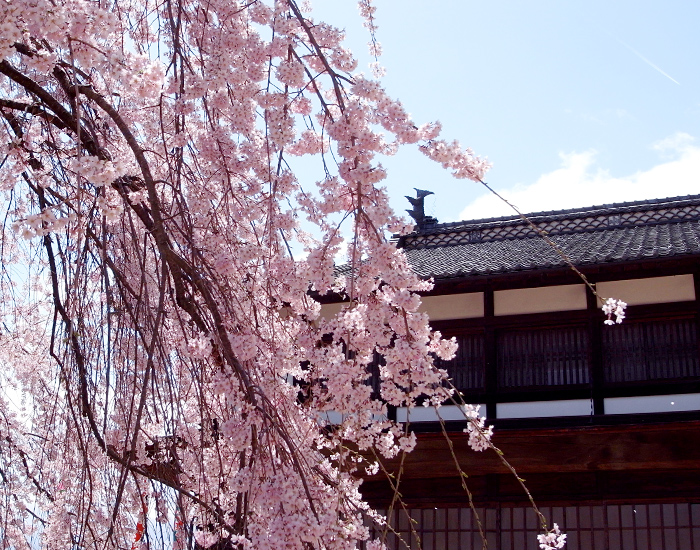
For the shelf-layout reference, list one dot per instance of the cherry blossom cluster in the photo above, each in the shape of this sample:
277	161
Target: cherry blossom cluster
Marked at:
479	435
463	163
38	225
552	540
614	307
367	12
168	337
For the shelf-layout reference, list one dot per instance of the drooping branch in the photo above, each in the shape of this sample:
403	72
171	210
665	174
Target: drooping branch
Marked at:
64	116
33	109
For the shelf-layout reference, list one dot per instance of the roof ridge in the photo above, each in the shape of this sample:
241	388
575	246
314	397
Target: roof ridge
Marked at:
581	220
570	213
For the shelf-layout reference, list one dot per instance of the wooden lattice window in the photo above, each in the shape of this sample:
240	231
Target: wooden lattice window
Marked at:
553	356
467	369
651	350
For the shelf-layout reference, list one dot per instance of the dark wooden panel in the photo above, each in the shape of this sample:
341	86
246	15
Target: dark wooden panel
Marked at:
667	446
640	485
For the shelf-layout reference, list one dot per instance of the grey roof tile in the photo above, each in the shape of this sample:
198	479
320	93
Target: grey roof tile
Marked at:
595	235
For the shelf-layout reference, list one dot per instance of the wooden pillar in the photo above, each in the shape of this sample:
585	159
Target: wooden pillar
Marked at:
490	353
595	325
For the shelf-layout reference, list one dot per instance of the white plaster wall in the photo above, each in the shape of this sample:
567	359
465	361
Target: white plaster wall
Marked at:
652	403
438	308
329	310
654	290
327	418
453	306
539	300
429	414
542	409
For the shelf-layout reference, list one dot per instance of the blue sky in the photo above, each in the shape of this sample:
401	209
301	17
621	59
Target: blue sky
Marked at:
575	103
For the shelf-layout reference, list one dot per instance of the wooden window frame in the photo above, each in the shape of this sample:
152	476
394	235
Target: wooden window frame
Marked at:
592	319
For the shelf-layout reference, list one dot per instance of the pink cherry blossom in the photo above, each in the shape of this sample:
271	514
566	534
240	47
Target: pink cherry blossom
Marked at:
165	263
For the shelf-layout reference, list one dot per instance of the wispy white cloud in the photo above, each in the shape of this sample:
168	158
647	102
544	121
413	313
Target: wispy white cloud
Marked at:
580	181
672	145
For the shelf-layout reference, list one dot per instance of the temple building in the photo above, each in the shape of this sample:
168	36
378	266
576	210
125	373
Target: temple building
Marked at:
602	422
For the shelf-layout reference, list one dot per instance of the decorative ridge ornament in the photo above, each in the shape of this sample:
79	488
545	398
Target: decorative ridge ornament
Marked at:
418	210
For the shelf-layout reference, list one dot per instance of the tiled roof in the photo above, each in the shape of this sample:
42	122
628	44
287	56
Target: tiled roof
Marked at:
595	235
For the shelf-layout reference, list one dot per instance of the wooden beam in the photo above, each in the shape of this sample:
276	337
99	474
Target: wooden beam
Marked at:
667	446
